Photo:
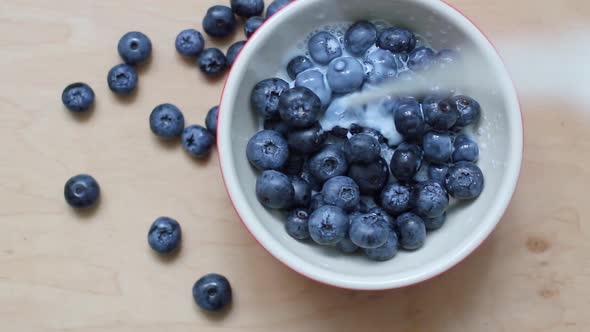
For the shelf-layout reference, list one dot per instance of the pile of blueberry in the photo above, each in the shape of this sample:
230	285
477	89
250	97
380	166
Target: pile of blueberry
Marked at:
348	187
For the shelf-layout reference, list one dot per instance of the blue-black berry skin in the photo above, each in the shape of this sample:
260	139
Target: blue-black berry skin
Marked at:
81	191
134	48
190	43
219	21
122	79
78	97
212	292
164	235
167	121
212	62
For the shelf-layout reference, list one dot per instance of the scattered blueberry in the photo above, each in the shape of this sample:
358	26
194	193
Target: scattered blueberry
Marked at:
465	149
406	161
302	188
396	198
247	8
464	181
317	200
315	81
275	190
430	199
433	224
277	125
122	79
439	114
167	121
397	40
386	251
134	48
345	75
469	109
219	21
211	120
324	47
212	62
411	231
437	146
308	140
265	97
78	97
298	65
197	141
190	42
275	6
164	235
81	191
341	191
328	163
233	51
212	292
360	37
371	177
299	107
297	224
369	231
267	149
421	58
380	65
328	225
437	173
252	24
362	148
409	120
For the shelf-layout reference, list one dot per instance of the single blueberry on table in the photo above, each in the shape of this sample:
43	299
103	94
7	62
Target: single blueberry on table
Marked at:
308	140
78	97
406	161
385	252
330	162
211	120
297	224
265	97
437	147
219	21
411	231
437	173
267	149
346	245
190	42
212	292
134	48
430	199
315	81
233	51
369	231
397	40
380	65
421	58
360	37
164	235
197	141
294	164
362	148
317	200
409	120
167	121
212	62
299	107
275	6
433	224
275	190
328	225
302	196
341	191
298	65
469	109
252	24
371	177
464	181
465	149
81	191
247	8
396	198
122	79
345	75
277	125
439	114
324	47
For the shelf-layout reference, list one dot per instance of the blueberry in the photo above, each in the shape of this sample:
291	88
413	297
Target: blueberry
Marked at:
397	40
219	21
356	129
386	251
437	146
122	79
212	62
380	65
81	191
433	224
430	199
265	97
408	119
411	231
190	42
396	198
233	51
316	82
267	149
324	47
328	225
362	148
78	97
197	141
439	114
372	177
316	185
406	161
317	201
302	188
360	37
211	120
252	24
167	121
421	58
464	181
275	190
134	48
164	235
376	134
469	109
328	163
298	65
383	214
278	125
347	246
367	203
437	173
345	75
275	6
369	231
212	292
447	58
339	132
297	225
299	107
465	149
308	140
247	8
422	174
294	164
341	191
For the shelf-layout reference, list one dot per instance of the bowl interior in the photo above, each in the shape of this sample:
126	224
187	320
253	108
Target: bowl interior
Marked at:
499	136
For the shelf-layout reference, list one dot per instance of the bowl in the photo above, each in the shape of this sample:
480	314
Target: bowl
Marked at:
499	135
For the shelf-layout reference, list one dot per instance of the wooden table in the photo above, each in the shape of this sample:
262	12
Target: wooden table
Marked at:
63	271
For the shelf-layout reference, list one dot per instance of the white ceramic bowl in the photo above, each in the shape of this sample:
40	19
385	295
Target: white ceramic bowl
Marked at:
499	135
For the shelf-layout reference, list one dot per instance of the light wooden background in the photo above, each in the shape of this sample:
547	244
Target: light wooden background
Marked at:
60	271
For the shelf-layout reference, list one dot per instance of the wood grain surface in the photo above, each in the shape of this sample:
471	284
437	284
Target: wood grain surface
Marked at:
64	271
